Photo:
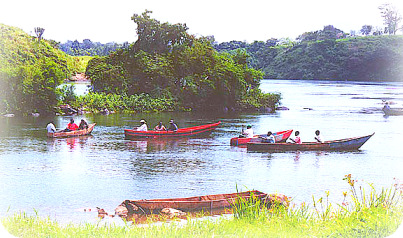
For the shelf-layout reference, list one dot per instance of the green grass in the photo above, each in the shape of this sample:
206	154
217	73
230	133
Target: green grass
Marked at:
360	215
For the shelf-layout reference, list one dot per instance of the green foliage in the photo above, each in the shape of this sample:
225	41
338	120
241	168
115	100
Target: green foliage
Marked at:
30	71
95	102
66	94
168	62
89	48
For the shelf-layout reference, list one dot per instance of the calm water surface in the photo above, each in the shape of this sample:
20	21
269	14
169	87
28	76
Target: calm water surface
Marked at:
60	177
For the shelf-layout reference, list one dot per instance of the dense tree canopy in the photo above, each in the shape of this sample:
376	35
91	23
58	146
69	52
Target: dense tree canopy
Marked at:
30	72
166	61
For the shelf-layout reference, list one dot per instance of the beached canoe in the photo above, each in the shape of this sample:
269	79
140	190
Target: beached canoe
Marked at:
280	136
188	204
181	132
73	133
335	145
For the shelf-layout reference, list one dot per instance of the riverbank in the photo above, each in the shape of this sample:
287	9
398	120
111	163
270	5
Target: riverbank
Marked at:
362	214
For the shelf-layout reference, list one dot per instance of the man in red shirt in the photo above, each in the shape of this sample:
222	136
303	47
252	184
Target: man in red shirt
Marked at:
71	126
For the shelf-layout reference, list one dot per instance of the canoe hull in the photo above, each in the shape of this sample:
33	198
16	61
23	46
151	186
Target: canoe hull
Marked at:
393	112
348	144
280	136
189	204
73	133
182	132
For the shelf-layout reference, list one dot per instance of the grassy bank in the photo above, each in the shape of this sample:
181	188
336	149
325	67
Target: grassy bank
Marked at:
362	214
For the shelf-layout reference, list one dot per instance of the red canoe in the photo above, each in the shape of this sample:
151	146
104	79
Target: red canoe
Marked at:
182	132
189	204
73	133
280	136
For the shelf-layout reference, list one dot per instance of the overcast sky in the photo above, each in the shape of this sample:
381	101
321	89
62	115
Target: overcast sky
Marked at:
107	21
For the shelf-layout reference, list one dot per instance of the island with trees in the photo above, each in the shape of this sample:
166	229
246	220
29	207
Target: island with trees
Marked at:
168	69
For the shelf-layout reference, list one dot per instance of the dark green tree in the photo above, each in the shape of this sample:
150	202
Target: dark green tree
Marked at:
366	29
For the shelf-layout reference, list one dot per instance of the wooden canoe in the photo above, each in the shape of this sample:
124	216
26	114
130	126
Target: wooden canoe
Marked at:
393	112
181	132
188	204
280	136
73	133
348	144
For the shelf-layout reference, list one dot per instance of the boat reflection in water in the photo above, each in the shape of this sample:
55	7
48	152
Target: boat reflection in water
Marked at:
71	143
156	144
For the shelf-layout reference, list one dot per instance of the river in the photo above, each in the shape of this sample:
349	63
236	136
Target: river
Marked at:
60	177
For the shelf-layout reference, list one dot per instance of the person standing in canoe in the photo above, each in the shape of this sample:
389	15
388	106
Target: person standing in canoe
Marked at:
51	127
317	136
143	126
160	127
71	126
172	126
83	125
297	139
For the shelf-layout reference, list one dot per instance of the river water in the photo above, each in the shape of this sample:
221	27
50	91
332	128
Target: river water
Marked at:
60	177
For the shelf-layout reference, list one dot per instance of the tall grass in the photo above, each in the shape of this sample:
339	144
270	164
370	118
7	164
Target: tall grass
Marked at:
361	214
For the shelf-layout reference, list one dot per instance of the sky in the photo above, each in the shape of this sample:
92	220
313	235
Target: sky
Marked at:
110	21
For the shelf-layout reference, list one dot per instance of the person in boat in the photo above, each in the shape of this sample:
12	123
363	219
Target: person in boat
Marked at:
317	136
172	126
160	127
297	139
248	133
71	126
269	138
83	125
386	107
51	127
143	126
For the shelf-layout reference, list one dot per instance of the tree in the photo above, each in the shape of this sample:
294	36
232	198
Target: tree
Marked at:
39	32
154	37
391	18
366	29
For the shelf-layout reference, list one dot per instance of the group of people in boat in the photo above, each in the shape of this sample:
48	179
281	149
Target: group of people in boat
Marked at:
160	127
70	127
269	138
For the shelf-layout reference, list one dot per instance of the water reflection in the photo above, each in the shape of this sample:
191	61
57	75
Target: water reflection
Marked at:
69	143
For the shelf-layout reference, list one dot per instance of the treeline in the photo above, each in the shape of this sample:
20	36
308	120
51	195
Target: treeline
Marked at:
89	48
327	54
31	69
167	62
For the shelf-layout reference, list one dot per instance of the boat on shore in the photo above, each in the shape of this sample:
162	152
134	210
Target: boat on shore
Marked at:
280	136
189	204
73	133
348	144
181	132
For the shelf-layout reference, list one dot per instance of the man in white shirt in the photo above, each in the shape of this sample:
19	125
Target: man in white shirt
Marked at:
248	133
143	126
51	128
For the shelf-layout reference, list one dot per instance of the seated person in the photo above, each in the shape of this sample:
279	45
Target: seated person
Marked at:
248	133
172	126
269	138
317	136
159	127
71	126
297	139
83	125
143	126
51	127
